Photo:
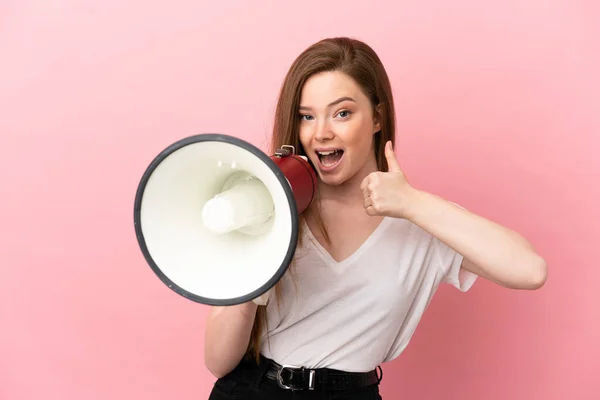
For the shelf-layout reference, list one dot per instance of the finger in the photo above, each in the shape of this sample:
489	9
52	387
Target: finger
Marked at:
371	211
390	156
368	202
366	192
364	183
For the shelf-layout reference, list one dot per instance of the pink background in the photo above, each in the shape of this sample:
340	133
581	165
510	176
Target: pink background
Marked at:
498	105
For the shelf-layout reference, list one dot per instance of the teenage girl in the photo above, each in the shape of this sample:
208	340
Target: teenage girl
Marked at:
373	249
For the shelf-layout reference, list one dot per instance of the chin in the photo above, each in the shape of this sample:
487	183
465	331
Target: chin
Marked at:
332	180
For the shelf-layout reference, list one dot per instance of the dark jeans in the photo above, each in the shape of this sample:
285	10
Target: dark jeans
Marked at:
248	382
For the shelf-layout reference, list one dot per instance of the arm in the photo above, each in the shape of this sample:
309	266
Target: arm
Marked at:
227	336
489	250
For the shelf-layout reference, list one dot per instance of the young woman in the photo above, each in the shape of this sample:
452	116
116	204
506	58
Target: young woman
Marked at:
373	248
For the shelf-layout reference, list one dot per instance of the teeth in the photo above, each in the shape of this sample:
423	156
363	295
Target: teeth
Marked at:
326	153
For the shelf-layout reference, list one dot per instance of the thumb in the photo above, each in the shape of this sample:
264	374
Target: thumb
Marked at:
390	156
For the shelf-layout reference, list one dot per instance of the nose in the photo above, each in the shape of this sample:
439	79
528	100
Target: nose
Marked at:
323	131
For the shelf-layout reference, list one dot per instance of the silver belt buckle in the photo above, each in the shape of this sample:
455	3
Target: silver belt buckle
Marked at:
311	378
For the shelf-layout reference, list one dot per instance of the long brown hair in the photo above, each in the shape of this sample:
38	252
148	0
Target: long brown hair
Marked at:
360	62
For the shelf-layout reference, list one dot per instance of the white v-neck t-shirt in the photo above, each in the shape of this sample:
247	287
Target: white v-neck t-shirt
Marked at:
355	314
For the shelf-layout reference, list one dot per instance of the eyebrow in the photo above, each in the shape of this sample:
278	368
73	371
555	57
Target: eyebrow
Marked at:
333	103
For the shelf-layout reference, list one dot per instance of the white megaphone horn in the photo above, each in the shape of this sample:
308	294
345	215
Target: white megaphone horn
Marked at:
217	219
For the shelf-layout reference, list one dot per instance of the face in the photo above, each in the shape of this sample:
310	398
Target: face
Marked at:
337	125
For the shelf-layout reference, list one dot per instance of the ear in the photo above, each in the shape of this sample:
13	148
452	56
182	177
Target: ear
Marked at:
377	119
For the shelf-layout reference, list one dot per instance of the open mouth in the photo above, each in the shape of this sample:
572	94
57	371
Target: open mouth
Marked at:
329	158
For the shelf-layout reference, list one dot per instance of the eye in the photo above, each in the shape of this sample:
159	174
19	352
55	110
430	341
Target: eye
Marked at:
305	117
344	114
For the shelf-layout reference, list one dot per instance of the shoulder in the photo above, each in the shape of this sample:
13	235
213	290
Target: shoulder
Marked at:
414	247
406	234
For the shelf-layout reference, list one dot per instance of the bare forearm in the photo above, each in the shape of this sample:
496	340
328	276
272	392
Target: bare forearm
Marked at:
491	250
227	336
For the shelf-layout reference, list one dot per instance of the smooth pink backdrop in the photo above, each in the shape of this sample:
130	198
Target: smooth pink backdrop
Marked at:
498	107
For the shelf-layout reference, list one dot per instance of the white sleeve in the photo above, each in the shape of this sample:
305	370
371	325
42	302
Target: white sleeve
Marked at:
449	262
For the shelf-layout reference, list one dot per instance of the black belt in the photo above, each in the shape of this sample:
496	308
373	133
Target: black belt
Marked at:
325	379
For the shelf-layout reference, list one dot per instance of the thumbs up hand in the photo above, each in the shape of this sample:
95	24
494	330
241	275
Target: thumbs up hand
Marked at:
387	193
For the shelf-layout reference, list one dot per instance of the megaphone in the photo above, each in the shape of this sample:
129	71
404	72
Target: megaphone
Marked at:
217	219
